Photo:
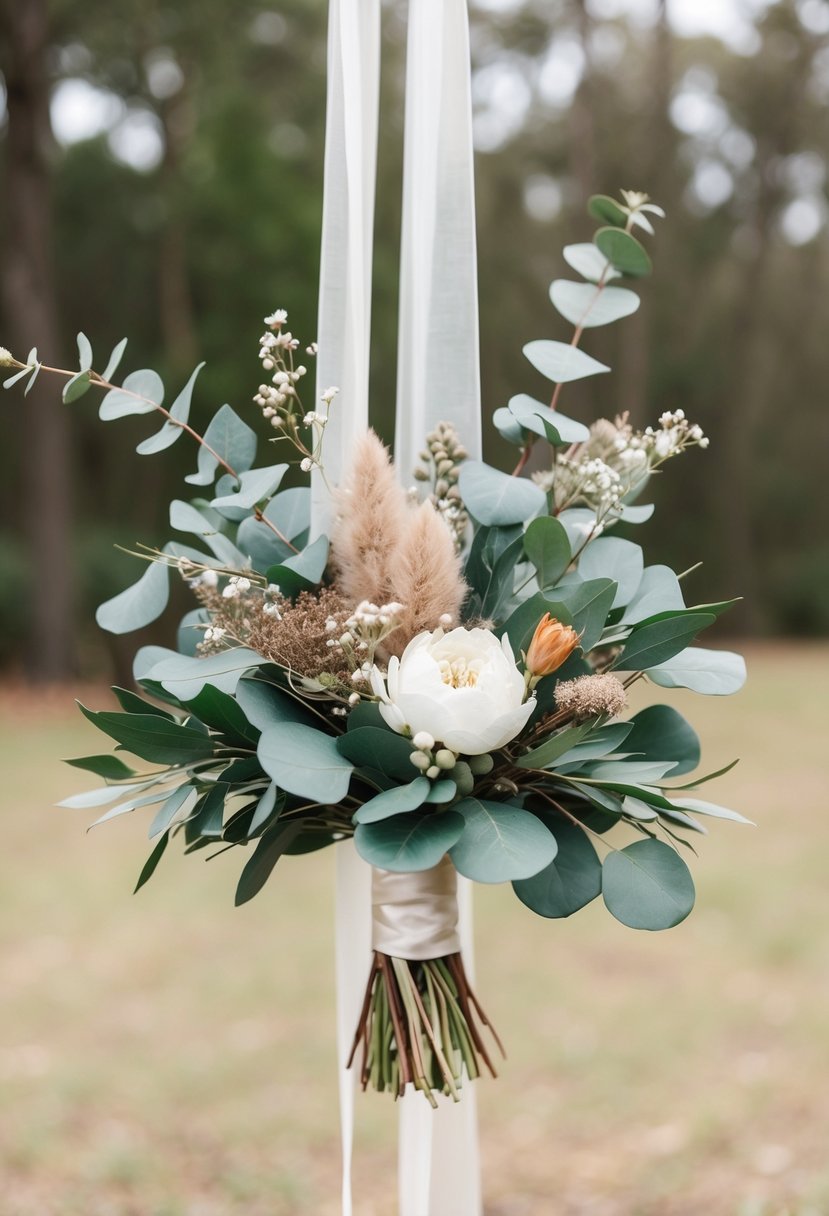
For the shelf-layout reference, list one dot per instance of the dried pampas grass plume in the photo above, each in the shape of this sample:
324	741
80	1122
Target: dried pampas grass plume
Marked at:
374	517
425	576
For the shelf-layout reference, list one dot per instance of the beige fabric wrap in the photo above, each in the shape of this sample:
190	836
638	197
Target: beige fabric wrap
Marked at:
415	916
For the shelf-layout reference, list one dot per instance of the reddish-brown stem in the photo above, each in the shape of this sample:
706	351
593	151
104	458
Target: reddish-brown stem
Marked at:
579	330
525	455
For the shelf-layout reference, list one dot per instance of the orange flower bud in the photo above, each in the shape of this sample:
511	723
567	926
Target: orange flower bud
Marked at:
552	643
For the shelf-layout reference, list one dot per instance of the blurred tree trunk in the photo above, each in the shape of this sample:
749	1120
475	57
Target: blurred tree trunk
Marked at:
28	289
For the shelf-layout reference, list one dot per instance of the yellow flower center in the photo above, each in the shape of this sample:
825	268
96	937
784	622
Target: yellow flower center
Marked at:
457	673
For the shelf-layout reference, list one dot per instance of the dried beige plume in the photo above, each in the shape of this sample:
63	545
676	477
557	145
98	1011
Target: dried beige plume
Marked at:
374	516
425	573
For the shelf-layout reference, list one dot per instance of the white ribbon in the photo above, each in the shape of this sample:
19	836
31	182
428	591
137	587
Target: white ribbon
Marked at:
415	916
344	324
438	379
343	334
438	368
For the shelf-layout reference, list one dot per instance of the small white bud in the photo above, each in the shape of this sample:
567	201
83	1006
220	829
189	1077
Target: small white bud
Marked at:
423	741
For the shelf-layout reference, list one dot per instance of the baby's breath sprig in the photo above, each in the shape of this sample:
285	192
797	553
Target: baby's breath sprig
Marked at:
604	471
440	467
361	638
280	401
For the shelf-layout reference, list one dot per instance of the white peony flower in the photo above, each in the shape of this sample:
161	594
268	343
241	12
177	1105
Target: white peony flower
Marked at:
462	688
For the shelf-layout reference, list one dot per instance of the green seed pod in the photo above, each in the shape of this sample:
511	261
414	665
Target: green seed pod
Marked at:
481	765
461	774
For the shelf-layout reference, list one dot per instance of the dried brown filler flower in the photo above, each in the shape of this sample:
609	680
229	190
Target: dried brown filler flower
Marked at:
298	637
589	696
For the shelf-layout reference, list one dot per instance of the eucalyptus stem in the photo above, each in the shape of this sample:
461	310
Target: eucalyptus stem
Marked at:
421	1025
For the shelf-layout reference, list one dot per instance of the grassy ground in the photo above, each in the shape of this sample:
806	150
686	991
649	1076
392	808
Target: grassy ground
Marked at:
171	1056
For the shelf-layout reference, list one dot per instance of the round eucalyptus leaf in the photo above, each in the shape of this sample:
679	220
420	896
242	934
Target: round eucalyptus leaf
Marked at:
139	604
495	498
647	885
590	306
407	843
141	393
624	251
589	262
603	207
395	801
661	733
561	362
621	560
717	673
304	761
500	842
571	880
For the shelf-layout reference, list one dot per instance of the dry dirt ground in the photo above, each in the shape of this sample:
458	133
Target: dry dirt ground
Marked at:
167	1055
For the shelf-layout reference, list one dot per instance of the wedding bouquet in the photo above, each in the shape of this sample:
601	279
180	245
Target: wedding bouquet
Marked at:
445	678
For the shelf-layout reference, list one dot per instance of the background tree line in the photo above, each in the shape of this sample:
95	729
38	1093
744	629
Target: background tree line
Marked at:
194	208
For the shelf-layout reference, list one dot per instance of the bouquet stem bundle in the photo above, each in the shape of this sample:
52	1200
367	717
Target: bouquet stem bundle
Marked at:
419	1025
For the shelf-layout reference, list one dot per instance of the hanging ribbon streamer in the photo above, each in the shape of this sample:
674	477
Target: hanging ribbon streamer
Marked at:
438	367
343	334
438	380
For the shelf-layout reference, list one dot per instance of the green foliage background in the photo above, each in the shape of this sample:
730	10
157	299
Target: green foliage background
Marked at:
186	258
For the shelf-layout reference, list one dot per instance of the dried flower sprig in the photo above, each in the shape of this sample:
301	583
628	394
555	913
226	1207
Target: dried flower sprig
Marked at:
591	696
280	400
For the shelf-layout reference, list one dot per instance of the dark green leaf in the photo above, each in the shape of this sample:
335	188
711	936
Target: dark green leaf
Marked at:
624	251
371	747
603	207
650	645
108	767
151	863
133	704
571	880
152	738
267	853
521	625
266	705
661	733
587	604
223	713
208	819
557	745
547	547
